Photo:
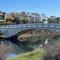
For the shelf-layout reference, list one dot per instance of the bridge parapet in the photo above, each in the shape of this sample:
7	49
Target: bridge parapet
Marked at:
30	25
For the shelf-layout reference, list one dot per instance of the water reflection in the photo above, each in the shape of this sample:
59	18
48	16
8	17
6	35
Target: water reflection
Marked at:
9	49
14	46
12	55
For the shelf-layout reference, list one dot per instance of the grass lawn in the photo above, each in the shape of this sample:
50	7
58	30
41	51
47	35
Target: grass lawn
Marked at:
34	55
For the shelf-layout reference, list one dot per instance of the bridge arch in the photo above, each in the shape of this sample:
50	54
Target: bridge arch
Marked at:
27	30
11	30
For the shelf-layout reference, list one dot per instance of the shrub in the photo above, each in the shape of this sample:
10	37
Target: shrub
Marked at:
52	51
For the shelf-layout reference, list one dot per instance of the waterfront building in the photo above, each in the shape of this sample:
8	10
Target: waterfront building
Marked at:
35	17
2	16
44	18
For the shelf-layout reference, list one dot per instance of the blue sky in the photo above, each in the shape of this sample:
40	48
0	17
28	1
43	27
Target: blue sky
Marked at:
48	7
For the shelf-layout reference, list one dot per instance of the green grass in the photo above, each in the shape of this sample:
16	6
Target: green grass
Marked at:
34	55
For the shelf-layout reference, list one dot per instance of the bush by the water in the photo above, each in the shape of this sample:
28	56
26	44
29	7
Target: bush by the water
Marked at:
52	51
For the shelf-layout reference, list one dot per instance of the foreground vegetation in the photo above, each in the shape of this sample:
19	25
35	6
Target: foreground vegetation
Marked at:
34	55
49	52
4	50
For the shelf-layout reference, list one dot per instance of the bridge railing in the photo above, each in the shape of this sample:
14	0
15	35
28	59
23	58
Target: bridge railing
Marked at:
30	25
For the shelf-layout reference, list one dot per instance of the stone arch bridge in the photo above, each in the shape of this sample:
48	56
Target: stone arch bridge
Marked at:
13	30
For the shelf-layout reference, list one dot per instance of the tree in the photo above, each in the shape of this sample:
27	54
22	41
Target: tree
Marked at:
24	21
58	19
15	21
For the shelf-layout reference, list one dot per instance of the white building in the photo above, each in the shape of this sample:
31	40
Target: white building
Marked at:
44	18
35	17
2	16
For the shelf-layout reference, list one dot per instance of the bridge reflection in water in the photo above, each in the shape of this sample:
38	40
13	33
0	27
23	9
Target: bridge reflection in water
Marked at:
10	30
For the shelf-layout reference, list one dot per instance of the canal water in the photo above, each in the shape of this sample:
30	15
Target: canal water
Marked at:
9	49
14	49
